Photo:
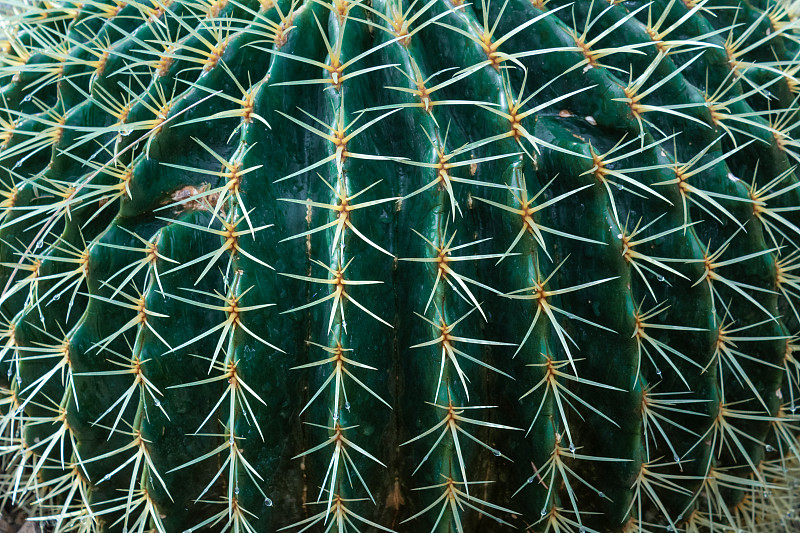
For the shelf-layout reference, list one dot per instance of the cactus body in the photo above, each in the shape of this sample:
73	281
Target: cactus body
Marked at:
382	266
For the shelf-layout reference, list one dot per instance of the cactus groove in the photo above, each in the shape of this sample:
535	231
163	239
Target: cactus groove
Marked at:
381	265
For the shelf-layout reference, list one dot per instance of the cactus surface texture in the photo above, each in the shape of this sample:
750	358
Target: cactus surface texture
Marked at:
375	265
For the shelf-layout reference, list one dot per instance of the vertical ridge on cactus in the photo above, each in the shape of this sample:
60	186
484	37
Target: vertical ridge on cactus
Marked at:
398	266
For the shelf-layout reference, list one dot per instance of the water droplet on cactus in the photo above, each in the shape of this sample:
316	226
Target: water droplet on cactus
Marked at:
496	452
157	403
347	406
268	502
28	98
661	278
335	416
571	447
670	528
19	379
126	132
620	186
106	477
9	372
619	235
544	512
57	297
531	479
601	494
769	448
231	440
676	458
236	489
39	244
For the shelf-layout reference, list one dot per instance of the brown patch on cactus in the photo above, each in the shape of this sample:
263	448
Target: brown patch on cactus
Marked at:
186	192
395	499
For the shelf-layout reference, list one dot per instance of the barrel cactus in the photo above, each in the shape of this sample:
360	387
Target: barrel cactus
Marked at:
344	265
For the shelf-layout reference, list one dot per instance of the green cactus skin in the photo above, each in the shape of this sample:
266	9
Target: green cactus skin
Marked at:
382	266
